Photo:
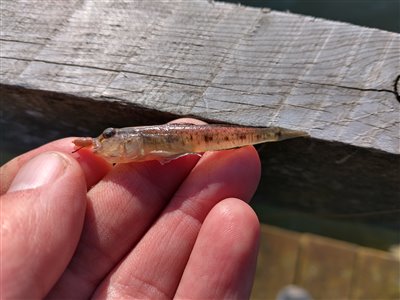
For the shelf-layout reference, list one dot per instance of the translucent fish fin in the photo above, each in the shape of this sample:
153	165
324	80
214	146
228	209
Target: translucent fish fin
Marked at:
289	134
166	159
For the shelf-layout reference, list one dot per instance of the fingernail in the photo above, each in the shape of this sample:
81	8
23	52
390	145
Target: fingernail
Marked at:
38	171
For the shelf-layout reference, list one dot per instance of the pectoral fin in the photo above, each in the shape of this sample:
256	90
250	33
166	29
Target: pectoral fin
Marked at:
165	157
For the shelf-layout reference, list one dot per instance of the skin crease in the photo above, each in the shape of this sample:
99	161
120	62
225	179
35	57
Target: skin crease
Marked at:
142	230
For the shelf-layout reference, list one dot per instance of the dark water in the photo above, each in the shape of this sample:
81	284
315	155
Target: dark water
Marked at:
382	14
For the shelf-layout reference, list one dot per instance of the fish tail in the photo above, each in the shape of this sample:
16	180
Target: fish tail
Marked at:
290	134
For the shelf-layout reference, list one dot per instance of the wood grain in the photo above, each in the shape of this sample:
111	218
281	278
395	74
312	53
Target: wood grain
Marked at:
325	268
75	67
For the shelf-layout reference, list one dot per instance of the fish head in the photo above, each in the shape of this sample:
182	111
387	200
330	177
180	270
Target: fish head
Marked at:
116	146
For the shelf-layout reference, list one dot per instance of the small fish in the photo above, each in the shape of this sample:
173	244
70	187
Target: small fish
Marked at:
170	141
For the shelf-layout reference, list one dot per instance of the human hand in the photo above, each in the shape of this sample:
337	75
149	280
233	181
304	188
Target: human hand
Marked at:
72	226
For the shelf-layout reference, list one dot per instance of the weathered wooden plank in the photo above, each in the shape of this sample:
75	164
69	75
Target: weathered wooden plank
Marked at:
217	61
326	268
75	67
377	276
276	263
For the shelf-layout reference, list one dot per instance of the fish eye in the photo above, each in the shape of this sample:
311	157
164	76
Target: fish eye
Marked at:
109	132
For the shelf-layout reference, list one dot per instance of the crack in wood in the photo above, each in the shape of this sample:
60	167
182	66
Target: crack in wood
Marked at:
395	88
100	69
22	42
394	92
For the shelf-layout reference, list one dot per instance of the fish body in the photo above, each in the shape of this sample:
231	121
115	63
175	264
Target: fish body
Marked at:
169	141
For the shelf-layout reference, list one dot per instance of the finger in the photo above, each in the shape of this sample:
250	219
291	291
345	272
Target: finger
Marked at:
187	120
121	208
154	267
224	257
93	166
42	218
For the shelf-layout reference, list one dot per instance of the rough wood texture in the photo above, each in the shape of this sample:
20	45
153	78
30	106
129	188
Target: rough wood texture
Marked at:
326	268
277	261
74	67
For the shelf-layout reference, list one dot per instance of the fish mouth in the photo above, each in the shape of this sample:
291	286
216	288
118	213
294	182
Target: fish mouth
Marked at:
96	145
83	142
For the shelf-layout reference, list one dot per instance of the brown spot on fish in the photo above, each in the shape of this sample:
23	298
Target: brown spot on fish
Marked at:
242	136
226	138
208	138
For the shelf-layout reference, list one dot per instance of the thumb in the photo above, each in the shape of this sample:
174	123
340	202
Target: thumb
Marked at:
42	216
